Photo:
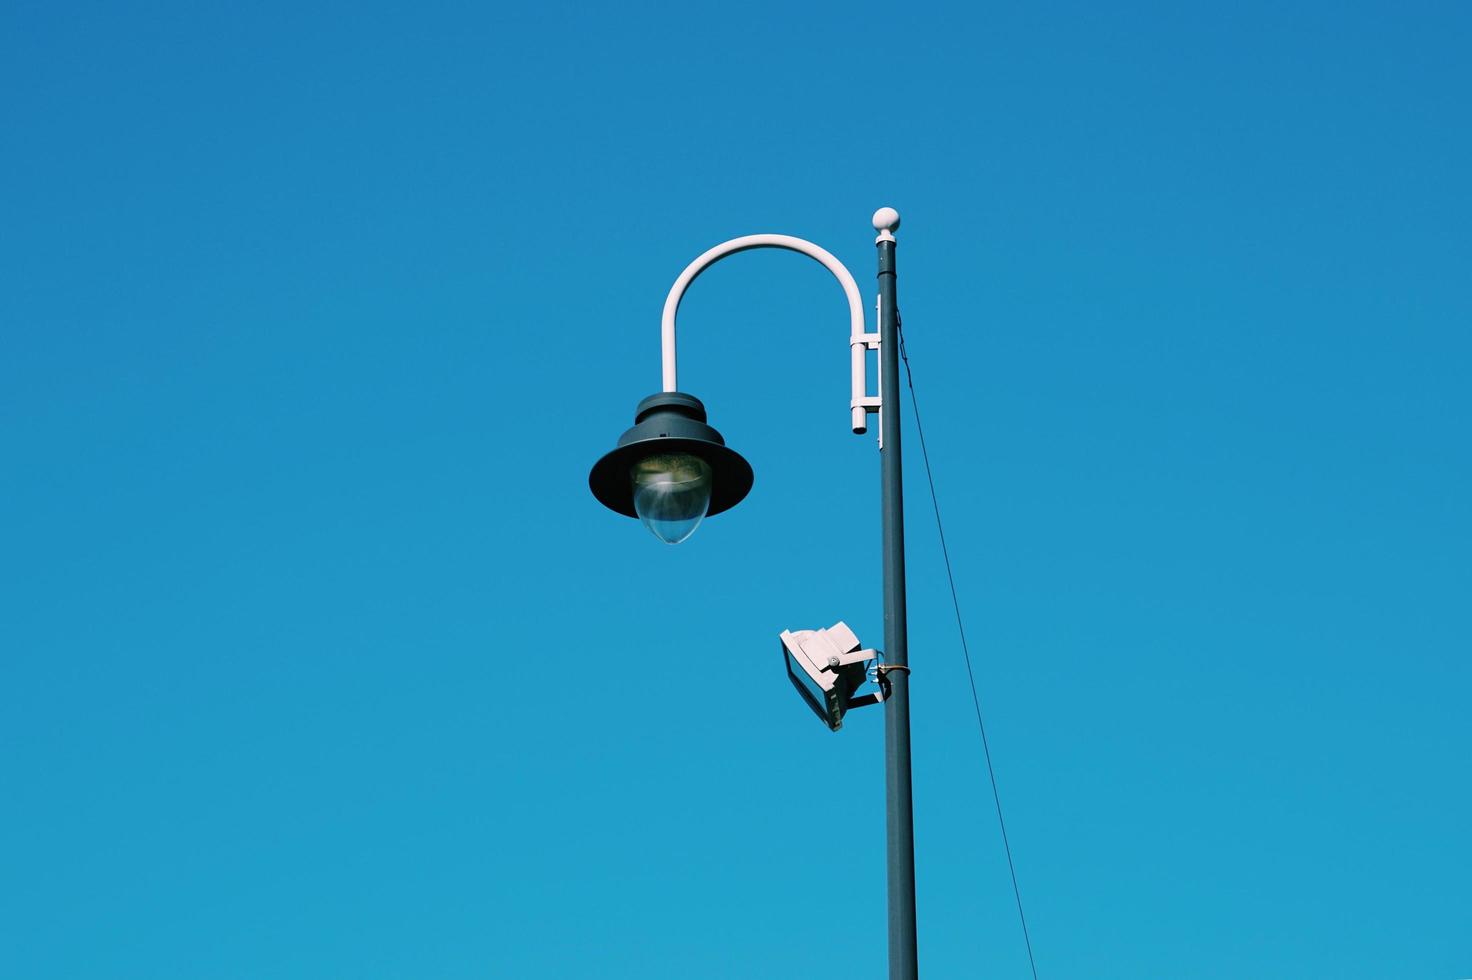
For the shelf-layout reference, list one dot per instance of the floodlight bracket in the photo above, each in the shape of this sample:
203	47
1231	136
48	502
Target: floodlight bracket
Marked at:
852	657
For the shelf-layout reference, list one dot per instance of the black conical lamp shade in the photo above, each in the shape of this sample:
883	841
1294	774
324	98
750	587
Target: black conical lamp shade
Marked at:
670	423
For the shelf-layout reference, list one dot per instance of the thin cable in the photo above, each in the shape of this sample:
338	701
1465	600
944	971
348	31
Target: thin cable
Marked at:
956	604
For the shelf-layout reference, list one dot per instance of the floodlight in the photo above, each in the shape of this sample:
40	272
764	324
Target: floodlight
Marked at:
671	470
826	667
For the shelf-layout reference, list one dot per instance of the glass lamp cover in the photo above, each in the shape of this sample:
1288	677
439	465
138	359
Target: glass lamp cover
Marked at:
671	494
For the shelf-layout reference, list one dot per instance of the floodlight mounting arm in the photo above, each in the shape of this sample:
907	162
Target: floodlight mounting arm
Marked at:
861	403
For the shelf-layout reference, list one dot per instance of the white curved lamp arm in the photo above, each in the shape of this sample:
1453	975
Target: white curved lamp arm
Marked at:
860	405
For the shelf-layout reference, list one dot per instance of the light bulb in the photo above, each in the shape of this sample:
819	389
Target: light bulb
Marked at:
671	494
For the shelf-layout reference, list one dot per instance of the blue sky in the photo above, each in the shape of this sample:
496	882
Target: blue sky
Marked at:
321	661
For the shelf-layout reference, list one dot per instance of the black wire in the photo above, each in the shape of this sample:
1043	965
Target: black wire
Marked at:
956	604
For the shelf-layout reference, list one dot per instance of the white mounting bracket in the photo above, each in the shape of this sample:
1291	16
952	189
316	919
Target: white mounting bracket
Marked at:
861	403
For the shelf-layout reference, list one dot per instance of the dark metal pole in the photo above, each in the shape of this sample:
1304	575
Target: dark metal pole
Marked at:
900	822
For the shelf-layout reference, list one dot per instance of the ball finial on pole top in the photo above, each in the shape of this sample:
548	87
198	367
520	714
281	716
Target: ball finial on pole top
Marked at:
886	221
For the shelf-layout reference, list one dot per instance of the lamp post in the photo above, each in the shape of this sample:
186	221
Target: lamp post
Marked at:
672	470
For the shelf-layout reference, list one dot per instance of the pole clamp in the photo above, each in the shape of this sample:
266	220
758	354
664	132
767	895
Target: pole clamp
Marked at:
878	671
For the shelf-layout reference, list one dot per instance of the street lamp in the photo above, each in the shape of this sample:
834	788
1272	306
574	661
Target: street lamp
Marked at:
672	470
